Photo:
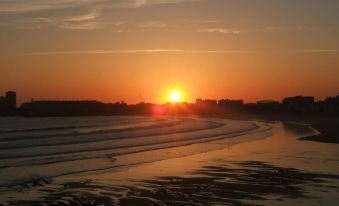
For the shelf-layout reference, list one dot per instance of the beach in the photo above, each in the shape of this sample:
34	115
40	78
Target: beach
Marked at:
243	163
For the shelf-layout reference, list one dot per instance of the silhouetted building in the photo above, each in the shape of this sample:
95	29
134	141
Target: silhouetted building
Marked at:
298	101
71	108
267	102
264	106
207	102
230	105
231	102
332	100
8	103
11	99
3	103
330	106
299	104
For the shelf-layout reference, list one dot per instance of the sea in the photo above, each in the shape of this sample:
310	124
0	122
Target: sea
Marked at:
36	150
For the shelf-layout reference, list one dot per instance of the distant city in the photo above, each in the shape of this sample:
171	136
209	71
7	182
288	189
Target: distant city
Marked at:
298	105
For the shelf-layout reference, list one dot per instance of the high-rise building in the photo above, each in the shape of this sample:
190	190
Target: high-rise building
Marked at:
10	97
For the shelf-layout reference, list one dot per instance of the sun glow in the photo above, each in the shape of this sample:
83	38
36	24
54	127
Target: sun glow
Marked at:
175	96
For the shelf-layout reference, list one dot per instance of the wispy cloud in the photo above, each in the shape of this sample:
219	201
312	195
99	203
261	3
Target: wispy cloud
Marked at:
81	26
87	21
201	21
138	51
254	30
139	3
288	28
24	6
315	51
153	24
86	17
98	16
184	51
220	30
88	25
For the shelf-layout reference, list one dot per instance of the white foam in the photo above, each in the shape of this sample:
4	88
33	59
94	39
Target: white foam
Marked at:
24	160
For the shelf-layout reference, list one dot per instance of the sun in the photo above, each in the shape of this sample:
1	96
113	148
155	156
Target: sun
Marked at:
175	96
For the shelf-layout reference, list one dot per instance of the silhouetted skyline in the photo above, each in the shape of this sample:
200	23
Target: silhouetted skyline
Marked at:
298	105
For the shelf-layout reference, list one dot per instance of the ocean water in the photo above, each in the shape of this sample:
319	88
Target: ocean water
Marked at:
35	150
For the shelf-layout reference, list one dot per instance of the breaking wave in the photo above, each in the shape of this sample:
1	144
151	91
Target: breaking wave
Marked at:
42	148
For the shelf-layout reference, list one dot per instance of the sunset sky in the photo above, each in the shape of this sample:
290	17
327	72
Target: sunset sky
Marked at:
133	50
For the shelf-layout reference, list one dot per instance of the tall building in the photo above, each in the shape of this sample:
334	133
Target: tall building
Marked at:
8	104
10	98
3	102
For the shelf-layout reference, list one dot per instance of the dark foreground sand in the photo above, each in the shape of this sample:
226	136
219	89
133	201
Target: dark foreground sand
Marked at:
328	128
279	170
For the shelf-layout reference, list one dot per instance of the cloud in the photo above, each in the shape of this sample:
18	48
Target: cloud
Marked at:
137	51
139	3
25	6
287	28
87	25
153	24
86	17
265	29
94	19
315	51
201	21
88	21
184	51
274	28
92	25
37	14
81	26
220	30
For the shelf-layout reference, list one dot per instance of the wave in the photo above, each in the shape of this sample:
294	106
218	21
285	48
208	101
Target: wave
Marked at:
93	141
35	130
33	158
78	133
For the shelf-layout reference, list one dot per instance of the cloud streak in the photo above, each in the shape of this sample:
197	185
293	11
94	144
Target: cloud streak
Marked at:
62	19
86	17
156	51
26	6
316	51
220	30
88	21
137	51
153	24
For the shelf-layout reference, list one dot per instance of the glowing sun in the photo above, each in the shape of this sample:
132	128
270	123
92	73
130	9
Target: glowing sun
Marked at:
175	96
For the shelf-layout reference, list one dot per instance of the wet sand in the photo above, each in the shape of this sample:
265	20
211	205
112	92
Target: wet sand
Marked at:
277	169
328	128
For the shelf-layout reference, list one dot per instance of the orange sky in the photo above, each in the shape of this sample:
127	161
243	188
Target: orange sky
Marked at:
119	50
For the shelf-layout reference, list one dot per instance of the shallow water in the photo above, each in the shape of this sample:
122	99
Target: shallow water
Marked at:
35	150
263	166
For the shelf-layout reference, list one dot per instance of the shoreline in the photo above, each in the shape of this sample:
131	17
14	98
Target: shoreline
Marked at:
329	132
328	127
96	158
278	170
